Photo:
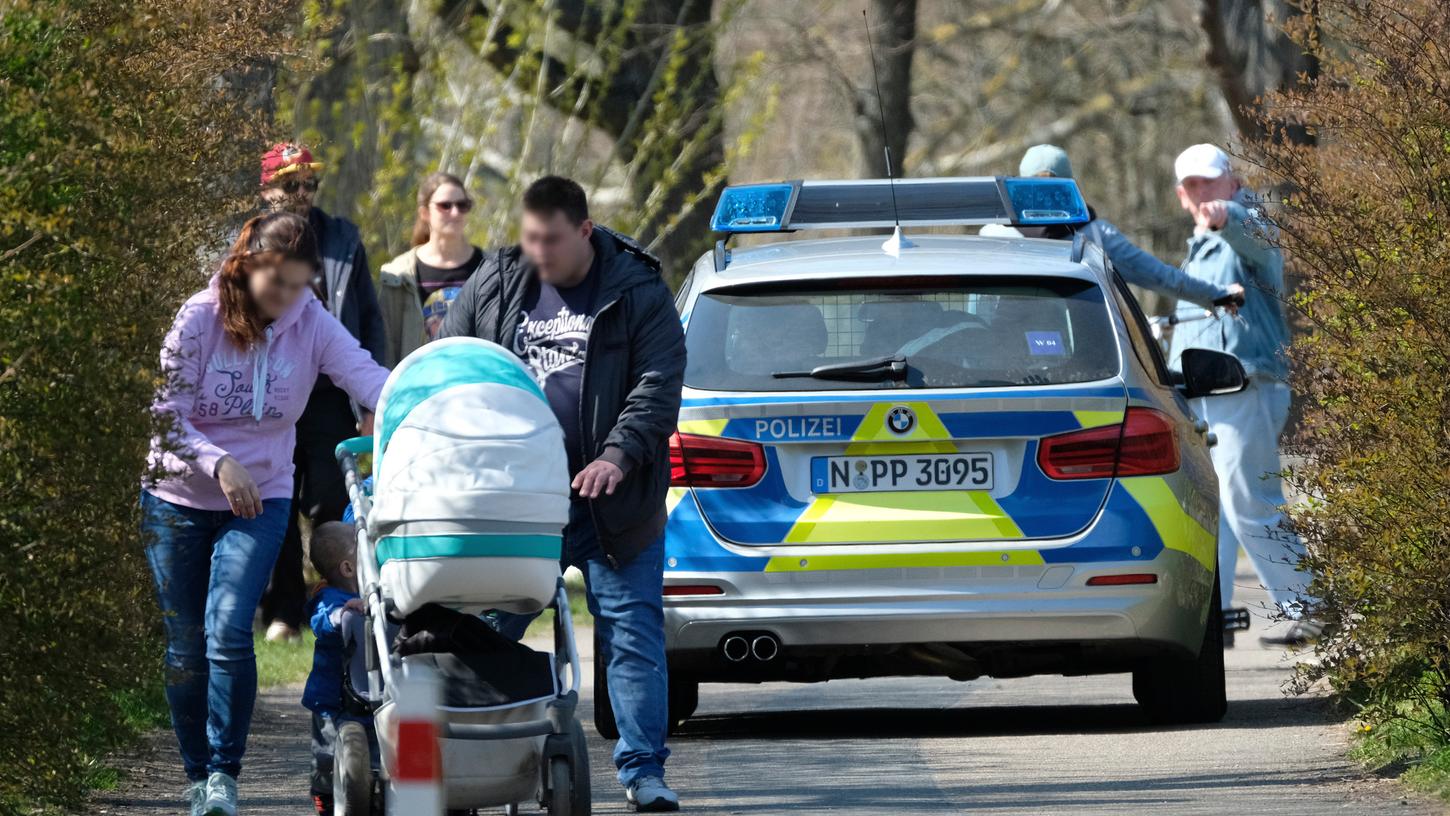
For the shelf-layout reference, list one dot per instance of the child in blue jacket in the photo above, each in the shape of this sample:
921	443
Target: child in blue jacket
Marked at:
335	609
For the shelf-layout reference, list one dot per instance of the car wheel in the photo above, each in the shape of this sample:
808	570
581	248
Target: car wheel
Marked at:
604	721
1184	691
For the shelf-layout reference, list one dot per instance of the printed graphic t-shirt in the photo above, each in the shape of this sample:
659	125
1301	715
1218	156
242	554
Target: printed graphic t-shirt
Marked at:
438	287
552	337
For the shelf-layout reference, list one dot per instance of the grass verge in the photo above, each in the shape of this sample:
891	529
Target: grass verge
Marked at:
283	663
1408	751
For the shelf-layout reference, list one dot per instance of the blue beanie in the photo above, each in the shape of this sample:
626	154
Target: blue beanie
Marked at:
1045	158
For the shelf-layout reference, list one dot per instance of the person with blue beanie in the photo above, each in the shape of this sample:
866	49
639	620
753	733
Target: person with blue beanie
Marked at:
1135	265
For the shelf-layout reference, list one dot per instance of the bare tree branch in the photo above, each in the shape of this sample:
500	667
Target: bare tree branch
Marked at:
12	252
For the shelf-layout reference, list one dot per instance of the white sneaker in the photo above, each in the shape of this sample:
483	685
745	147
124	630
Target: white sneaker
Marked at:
196	798
280	632
650	794
221	795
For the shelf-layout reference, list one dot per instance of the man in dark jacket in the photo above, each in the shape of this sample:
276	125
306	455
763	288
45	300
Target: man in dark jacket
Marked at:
345	284
586	309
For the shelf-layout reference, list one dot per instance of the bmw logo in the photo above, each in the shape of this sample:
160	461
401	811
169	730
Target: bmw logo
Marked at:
900	420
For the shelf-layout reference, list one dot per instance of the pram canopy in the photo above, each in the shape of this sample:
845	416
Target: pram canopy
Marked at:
471	481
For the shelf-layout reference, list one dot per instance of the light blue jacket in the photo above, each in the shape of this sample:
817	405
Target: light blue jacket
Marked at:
1241	252
1142	268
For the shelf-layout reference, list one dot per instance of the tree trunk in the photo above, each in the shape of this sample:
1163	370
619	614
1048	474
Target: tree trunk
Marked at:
360	104
678	245
627	98
1250	56
893	30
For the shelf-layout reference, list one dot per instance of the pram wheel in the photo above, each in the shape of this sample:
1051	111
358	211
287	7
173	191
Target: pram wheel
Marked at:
563	797
568	777
352	771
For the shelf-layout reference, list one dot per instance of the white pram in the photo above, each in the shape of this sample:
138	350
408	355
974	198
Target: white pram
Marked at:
470	497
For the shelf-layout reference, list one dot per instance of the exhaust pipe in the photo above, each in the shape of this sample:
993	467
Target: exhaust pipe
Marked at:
765	648
735	648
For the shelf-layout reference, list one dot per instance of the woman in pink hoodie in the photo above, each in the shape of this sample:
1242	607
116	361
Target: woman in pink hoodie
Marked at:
239	362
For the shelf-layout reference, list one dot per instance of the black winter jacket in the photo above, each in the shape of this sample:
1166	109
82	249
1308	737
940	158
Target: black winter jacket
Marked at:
634	369
347	282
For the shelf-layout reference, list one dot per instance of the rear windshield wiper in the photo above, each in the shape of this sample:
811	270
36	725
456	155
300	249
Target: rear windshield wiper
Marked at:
892	367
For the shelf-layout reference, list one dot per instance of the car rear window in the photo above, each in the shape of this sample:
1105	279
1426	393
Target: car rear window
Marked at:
953	333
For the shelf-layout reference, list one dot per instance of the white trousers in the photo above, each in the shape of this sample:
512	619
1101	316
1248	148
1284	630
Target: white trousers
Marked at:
1251	493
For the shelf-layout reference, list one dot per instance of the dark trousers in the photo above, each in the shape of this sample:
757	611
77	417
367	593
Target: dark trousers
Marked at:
318	492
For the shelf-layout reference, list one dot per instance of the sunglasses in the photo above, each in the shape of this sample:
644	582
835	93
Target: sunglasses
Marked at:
449	206
291	186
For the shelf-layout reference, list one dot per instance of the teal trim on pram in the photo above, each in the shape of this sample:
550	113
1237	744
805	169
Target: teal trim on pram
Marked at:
446	366
470	545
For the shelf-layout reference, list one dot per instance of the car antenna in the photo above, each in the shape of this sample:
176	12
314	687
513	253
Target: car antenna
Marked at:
897	241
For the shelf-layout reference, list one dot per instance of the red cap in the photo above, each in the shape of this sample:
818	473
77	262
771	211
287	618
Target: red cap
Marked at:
284	158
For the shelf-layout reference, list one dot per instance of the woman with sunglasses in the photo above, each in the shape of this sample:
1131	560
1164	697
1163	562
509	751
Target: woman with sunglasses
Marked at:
419	285
238	364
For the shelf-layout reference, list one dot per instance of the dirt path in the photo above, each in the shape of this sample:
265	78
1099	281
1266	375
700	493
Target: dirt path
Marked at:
274	781
922	745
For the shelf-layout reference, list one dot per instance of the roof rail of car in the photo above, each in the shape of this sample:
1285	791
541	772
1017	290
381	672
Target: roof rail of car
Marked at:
788	206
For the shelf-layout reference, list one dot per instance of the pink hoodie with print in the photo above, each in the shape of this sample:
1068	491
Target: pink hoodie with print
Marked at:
211	393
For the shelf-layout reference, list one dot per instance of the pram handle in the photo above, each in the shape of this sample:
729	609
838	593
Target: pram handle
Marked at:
357	446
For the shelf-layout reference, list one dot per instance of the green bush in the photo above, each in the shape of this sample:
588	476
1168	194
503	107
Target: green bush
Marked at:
1365	222
122	126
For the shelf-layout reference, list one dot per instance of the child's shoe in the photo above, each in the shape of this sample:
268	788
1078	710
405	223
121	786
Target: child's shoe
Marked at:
323	804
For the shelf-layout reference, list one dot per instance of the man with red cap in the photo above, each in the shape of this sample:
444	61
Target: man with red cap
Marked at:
344	282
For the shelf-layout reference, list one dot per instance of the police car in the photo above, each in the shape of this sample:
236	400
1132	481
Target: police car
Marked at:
941	455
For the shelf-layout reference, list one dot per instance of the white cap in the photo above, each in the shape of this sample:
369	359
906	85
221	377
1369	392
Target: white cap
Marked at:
1202	160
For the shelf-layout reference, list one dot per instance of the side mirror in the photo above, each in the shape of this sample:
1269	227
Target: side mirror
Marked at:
1208	373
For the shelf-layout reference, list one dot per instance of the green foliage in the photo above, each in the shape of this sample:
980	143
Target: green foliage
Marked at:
119	123
1364	222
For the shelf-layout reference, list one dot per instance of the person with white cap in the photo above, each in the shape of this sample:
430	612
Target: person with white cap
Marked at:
1233	243
1136	265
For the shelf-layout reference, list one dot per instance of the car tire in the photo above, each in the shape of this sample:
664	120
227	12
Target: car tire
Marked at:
684	699
604	721
1187	691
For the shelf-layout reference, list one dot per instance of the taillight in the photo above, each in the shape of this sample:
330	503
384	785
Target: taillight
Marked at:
1143	445
708	461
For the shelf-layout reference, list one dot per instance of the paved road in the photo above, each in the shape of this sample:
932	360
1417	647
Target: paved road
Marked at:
925	746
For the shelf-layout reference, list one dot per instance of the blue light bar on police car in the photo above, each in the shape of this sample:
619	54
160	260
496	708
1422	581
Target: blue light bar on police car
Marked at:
1042	201
753	208
870	203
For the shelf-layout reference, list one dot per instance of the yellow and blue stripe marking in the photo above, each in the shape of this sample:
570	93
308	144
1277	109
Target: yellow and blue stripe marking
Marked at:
1140	516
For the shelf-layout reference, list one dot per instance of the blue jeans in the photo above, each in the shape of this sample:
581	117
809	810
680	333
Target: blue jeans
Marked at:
1251	495
210	569
629	616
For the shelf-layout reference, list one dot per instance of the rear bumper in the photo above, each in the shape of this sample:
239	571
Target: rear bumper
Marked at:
1044	614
